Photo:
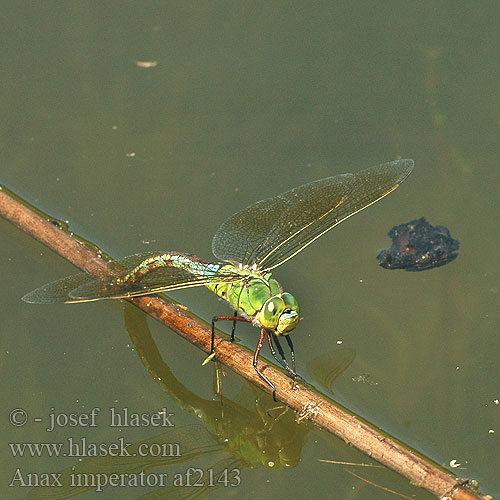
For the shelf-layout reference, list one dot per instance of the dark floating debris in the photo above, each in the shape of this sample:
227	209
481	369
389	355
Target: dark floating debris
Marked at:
417	246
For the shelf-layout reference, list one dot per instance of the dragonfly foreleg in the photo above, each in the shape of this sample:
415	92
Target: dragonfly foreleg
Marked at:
293	371
263	333
292	352
283	362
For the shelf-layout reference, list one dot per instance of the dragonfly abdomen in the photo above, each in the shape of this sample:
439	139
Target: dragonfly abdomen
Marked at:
190	263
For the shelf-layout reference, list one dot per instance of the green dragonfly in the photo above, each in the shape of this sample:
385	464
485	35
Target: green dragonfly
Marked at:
251	243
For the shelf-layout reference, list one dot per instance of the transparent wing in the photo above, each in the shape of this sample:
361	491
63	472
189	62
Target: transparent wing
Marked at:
271	231
84	287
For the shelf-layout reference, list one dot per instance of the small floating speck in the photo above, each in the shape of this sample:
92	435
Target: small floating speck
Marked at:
130	155
364	378
146	64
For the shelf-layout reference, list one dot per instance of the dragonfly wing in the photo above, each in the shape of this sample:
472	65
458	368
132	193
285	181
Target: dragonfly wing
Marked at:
271	231
84	287
57	291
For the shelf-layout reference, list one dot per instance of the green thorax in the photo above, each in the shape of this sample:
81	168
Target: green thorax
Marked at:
248	295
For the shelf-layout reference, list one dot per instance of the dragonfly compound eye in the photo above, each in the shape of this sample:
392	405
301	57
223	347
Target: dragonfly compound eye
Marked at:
270	313
290	315
290	302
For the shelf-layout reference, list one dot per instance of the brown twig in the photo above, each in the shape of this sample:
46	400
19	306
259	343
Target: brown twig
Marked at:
307	403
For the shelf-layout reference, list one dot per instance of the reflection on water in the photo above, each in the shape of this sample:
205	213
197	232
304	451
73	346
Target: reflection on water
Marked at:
249	431
325	369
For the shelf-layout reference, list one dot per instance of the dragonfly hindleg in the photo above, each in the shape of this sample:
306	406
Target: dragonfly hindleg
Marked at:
234	326
234	319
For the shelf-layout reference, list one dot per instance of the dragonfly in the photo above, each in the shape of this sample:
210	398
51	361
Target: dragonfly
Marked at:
249	245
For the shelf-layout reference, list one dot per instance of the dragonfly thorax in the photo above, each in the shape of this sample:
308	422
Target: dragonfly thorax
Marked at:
280	313
259	298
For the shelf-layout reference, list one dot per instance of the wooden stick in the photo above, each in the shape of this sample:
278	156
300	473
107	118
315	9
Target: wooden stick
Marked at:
309	405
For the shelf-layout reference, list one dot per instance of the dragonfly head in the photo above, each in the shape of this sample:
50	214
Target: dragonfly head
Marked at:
280	313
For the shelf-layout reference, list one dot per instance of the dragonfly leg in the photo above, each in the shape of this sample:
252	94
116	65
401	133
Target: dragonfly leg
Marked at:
234	319
234	326
292	352
281	361
292	355
263	333
293	372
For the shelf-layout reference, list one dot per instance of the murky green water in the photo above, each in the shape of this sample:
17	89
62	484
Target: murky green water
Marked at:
245	101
